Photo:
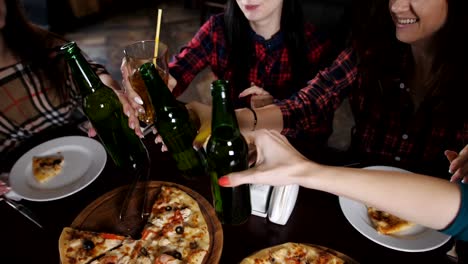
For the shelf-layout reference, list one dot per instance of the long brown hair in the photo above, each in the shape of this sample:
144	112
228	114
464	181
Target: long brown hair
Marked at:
381	55
33	45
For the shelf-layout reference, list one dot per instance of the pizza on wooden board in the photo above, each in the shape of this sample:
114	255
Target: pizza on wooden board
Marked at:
176	232
386	223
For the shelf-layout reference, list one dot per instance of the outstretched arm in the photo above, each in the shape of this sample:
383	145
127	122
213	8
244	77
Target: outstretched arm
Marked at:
422	199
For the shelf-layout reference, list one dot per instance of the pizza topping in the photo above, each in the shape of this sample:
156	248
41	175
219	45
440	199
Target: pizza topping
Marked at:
193	244
179	230
88	244
176	254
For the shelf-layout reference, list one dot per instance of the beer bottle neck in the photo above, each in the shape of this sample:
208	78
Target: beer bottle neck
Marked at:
84	76
223	110
158	91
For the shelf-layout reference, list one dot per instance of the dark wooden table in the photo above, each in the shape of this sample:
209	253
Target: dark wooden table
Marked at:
316	219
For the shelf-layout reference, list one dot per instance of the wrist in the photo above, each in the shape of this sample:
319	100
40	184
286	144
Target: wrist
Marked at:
312	176
254	125
244	119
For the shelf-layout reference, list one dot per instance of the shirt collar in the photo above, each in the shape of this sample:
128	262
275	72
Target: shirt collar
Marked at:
274	43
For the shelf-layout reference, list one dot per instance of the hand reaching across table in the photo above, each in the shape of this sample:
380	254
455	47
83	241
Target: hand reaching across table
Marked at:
458	164
278	163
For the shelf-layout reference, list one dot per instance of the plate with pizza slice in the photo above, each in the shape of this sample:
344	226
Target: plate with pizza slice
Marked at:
181	227
57	168
388	230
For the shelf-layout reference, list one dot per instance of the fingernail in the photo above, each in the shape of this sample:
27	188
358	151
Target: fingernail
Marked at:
463	181
450	171
127	113
224	181
138	100
132	126
141	110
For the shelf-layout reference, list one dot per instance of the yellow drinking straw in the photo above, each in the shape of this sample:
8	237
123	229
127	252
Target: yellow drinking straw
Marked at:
156	38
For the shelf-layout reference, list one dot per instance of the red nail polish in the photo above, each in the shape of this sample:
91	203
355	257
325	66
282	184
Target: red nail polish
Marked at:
223	181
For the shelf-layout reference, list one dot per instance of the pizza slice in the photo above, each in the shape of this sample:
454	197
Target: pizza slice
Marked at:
76	246
177	227
386	223
47	167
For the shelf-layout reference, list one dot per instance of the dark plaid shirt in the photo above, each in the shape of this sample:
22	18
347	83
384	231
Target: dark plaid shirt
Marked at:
394	135
272	70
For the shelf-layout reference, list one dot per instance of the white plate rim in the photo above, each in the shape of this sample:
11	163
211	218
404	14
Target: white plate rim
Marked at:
427	240
19	175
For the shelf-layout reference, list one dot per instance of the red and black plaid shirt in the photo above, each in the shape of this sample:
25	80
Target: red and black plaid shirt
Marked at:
394	135
272	69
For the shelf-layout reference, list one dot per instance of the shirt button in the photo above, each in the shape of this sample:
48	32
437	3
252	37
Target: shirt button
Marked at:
402	85
397	158
404	136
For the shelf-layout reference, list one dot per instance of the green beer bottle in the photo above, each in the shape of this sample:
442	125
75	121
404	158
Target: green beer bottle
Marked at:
227	152
173	124
104	110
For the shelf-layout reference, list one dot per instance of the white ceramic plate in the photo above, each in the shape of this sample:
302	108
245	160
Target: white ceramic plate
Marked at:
84	159
416	239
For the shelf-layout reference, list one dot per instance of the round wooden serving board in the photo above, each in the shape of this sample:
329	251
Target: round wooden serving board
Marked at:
102	215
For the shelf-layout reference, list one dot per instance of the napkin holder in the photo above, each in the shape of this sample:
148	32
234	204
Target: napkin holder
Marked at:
275	202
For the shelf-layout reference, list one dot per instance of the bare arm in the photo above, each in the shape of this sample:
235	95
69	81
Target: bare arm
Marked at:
422	199
268	117
425	200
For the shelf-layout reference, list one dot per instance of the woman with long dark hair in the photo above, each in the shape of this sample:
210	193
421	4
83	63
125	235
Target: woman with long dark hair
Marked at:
405	76
265	50
36	89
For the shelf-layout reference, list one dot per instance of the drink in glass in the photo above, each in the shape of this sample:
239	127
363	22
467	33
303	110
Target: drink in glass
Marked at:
136	54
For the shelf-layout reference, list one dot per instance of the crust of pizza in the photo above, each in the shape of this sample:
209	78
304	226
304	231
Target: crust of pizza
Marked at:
47	167
292	253
386	223
76	246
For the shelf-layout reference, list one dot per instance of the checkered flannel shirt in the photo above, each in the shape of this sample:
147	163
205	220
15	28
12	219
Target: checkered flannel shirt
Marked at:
29	104
272	70
394	136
